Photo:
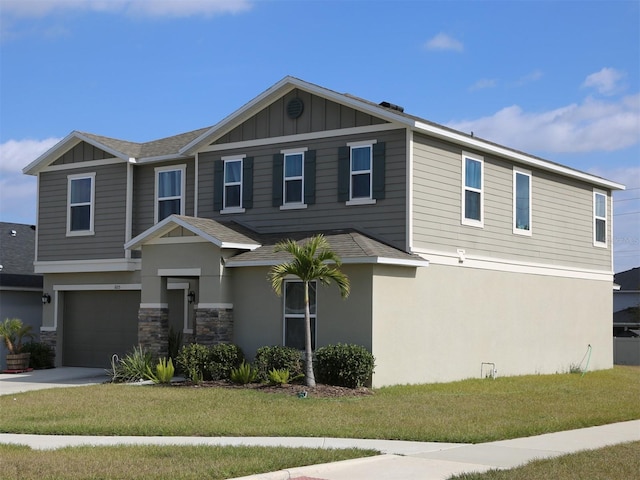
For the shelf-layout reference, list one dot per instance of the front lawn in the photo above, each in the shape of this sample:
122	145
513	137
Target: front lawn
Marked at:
468	411
158	462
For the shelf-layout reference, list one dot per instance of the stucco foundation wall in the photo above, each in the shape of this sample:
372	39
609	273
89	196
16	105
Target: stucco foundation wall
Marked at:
259	314
442	325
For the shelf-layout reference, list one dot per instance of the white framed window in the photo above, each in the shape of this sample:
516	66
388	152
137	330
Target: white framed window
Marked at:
232	193
81	204
170	186
293	182
472	190
522	185
599	218
294	313
361	173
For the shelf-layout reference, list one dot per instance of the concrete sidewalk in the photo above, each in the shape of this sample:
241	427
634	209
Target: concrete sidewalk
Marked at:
399	460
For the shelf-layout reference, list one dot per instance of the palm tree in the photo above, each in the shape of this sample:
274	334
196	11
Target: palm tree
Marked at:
309	264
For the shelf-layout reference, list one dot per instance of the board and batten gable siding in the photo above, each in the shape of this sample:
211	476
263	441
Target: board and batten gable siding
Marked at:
562	212
83	152
386	219
109	216
144	191
319	114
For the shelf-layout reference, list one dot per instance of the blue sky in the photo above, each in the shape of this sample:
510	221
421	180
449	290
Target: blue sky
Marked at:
556	79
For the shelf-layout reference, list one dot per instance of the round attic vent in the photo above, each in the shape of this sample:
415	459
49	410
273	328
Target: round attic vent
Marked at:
295	107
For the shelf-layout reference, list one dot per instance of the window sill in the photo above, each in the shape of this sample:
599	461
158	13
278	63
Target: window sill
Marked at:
472	223
227	211
293	206
522	232
81	233
361	201
599	244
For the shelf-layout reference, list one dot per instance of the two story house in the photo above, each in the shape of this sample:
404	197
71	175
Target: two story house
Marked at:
462	253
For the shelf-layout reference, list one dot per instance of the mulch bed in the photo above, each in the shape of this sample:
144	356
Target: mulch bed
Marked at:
320	390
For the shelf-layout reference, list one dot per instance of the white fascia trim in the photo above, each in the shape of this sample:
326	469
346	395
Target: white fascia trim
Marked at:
228	306
278	90
97	287
87	266
168	224
303	137
513	155
437	257
345	261
67	143
179	272
88	164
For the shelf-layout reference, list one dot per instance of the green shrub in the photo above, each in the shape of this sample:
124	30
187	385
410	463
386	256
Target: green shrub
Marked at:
164	371
133	367
278	358
279	377
244	374
42	355
222	359
344	365
192	361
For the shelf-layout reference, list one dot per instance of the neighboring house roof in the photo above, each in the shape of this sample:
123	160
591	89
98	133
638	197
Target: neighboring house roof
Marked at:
17	253
185	145
352	246
628	280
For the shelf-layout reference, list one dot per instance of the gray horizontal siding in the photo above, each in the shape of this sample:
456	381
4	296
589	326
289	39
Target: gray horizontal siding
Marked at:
385	219
562	212
319	114
109	215
144	193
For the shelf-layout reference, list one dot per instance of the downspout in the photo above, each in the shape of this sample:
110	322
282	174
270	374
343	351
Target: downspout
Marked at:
129	207
195	186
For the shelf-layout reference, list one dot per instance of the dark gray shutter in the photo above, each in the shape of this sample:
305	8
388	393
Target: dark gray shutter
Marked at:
247	182
278	162
218	184
378	170
344	172
310	177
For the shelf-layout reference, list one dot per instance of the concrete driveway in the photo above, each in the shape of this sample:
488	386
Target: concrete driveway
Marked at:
11	383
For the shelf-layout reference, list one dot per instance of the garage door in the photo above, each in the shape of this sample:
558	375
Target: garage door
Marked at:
98	324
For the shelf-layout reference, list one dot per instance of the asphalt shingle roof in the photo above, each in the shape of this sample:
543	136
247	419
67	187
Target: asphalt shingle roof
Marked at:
17	250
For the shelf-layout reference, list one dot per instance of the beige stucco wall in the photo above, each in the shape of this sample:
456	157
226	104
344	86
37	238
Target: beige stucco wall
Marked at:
442	325
258	312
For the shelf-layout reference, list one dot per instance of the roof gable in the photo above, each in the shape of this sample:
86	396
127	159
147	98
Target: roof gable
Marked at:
223	235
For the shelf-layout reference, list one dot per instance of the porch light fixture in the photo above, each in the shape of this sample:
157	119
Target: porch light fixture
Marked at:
191	296
46	298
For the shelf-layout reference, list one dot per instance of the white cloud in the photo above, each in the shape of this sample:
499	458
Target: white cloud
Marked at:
484	83
530	78
17	154
442	41
606	81
150	8
592	125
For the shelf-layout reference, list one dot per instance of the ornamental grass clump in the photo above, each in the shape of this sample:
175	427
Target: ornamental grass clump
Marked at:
164	372
244	374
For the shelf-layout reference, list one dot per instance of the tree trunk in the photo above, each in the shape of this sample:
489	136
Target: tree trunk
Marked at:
310	377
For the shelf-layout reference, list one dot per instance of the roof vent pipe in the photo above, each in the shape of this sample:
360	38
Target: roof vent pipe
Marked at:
392	106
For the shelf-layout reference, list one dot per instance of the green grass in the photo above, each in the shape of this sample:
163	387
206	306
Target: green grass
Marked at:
469	411
158	462
619	462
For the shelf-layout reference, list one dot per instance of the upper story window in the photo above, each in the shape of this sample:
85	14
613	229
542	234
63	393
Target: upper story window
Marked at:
361	172
233	184
294	178
521	201
472	191
599	218
80	204
294	314
170	185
